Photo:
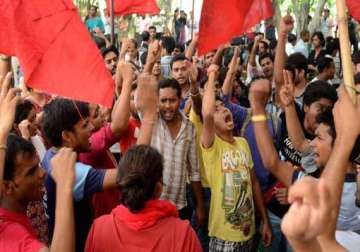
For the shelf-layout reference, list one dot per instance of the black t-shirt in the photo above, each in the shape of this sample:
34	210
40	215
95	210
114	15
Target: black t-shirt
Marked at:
286	148
314	61
288	153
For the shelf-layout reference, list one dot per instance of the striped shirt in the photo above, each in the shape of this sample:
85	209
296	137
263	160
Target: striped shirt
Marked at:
180	159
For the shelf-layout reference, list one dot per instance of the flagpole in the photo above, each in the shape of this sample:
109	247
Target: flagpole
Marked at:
348	73
112	25
192	19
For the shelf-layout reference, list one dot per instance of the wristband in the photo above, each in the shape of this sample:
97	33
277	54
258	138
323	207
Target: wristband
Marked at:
258	118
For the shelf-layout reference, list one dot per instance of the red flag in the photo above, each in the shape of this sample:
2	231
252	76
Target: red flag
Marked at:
126	7
236	17
354	8
55	50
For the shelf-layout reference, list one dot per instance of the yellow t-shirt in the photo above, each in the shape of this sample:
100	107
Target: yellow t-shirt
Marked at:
232	209
195	119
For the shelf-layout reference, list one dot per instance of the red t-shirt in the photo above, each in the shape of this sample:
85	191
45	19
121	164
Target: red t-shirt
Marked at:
168	234
16	233
100	157
131	136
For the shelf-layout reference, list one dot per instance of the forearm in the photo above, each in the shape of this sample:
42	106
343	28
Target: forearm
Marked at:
228	82
198	193
252	57
295	130
334	173
190	51
279	63
196	98
259	200
208	110
121	112
267	150
218	56
149	65
64	231
146	130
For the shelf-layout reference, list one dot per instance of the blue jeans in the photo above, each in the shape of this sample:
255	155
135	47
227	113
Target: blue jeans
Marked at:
202	232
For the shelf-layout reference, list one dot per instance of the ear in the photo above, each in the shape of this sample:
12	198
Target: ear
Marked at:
8	187
158	189
306	108
67	137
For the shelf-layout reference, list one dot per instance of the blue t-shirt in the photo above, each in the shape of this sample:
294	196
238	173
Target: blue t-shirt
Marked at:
87	182
93	23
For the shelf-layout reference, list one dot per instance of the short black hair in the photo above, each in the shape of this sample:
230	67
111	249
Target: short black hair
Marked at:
292	38
143	58
22	111
266	45
327	119
320	35
357	79
168	43
62	114
171	83
152	27
317	90
333	45
264	56
16	145
323	63
180	57
297	61
145	36
106	50
180	47
356	57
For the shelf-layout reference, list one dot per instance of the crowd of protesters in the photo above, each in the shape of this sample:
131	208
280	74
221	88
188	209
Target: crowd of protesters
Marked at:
253	146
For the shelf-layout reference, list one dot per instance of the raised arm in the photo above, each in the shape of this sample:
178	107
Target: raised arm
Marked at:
147	100
286	26
208	109
8	101
154	53
259	92
63	172
194	87
347	131
121	112
230	75
293	125
254	49
190	50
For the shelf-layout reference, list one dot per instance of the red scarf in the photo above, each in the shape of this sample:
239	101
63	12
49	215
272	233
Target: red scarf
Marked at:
154	211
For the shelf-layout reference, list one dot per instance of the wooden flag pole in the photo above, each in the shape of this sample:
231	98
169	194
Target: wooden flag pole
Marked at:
348	72
112	23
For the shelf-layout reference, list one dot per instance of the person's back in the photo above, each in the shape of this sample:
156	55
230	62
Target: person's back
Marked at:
167	234
142	222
